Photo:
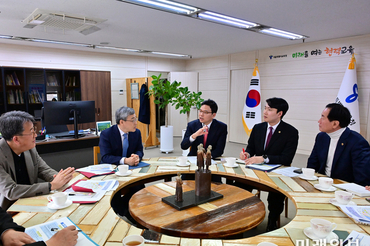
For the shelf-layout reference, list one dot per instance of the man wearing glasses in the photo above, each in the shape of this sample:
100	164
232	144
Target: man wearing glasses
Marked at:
121	143
20	164
206	130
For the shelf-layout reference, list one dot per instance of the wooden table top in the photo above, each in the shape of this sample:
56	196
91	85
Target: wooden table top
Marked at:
104	227
238	211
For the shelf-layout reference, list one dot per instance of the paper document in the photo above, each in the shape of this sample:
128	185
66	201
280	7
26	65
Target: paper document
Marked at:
358	239
287	171
43	232
84	197
361	214
353	188
95	185
263	167
96	170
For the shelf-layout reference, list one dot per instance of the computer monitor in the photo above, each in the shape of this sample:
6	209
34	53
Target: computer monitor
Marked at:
68	112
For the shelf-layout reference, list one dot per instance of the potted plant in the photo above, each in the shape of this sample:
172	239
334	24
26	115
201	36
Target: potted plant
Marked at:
164	92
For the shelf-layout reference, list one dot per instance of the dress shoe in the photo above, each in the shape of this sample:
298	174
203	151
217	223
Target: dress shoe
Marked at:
271	225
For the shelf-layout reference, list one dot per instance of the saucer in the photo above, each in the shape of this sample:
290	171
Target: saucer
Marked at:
331	188
235	165
307	178
129	172
311	235
335	203
185	165
52	205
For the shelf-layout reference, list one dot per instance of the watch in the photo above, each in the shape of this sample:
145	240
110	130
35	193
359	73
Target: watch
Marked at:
264	158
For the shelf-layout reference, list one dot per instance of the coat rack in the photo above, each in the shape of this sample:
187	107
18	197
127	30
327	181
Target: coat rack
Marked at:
148	132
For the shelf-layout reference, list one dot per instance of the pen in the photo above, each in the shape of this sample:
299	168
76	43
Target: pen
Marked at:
57	229
346	241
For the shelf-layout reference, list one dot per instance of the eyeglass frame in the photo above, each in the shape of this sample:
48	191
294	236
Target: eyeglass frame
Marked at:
132	120
29	134
204	112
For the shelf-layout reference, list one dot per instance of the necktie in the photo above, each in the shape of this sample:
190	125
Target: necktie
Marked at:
124	145
269	137
205	137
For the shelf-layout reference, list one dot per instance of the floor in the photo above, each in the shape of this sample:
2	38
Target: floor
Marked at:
233	149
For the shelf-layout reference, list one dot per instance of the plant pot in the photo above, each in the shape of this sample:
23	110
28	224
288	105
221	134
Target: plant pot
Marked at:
186	151
166	139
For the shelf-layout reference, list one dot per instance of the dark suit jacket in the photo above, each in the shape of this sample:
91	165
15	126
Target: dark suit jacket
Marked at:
282	146
351	160
6	222
216	137
110	144
144	110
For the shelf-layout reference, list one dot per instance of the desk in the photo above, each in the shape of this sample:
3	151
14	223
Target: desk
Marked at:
101	223
238	211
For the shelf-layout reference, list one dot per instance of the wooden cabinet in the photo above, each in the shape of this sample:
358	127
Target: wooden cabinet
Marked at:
96	86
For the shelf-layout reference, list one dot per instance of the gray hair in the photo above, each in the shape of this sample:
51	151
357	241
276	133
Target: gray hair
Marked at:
123	112
11	123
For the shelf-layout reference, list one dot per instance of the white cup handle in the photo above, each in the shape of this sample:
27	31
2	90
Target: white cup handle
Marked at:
335	226
49	198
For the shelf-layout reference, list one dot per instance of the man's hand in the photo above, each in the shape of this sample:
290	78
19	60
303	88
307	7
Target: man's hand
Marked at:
200	132
15	238
66	237
63	177
243	155
133	160
254	160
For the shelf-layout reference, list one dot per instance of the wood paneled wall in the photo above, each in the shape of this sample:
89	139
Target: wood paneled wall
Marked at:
308	84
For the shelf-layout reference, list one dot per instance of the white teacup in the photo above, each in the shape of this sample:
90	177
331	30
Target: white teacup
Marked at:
182	160
343	197
123	169
135	240
308	172
322	228
59	198
230	161
325	182
266	244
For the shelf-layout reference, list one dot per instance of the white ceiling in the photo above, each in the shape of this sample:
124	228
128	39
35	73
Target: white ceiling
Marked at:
136	27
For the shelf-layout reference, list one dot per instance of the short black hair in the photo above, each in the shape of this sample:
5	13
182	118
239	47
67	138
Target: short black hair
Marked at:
340	113
11	123
212	104
278	103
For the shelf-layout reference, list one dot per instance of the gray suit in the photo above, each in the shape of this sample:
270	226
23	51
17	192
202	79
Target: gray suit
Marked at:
36	167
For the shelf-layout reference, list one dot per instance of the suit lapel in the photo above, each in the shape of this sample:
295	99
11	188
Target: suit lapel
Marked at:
117	137
8	155
211	132
276	135
342	142
262	138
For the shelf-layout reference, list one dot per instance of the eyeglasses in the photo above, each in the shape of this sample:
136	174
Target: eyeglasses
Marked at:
132	120
33	131
204	112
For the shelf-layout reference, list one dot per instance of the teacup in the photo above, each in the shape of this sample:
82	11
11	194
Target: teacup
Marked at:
230	161
325	182
308	172
133	240
343	197
322	228
182	160
58	199
123	169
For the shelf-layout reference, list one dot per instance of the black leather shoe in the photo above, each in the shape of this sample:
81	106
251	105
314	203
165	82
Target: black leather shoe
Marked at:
271	225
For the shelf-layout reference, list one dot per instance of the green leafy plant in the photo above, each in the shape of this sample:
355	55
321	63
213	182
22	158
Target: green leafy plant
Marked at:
186	99
164	92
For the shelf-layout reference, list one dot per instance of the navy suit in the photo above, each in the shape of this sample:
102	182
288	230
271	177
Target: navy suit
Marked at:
351	160
281	150
111	145
216	137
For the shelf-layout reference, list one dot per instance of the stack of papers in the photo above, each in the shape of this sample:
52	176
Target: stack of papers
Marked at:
354	188
356	238
263	167
97	170
360	214
43	231
90	191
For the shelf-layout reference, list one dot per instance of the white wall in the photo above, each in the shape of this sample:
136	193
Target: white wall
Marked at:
308	84
120	66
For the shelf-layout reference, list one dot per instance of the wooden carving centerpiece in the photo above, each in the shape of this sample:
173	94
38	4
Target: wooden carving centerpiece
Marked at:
202	192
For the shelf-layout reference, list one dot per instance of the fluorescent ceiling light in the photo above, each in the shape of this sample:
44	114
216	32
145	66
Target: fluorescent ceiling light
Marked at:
280	33
203	14
57	42
227	20
165	5
6	36
169	54
116	48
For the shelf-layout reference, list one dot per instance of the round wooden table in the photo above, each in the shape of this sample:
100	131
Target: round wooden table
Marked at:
238	211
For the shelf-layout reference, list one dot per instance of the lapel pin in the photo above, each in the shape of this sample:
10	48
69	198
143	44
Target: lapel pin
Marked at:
279	131
342	144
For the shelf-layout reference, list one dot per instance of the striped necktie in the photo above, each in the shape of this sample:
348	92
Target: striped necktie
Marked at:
125	145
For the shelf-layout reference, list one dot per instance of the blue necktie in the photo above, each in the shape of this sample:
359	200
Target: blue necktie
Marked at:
124	145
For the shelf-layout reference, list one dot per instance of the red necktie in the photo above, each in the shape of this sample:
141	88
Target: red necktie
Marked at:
269	137
205	137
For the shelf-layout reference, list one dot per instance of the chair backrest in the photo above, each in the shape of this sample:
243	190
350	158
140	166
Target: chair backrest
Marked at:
96	150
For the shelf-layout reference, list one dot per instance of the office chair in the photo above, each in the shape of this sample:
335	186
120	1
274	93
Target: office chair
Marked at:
96	150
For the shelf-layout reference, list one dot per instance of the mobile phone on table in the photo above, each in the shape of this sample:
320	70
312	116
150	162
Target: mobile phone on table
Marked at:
299	170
